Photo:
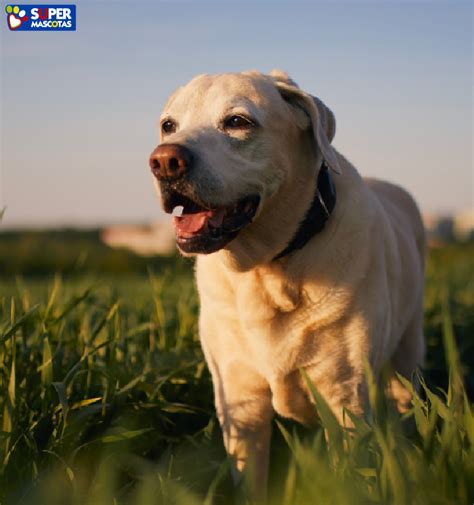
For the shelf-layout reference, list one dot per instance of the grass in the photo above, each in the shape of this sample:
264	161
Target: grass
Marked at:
106	399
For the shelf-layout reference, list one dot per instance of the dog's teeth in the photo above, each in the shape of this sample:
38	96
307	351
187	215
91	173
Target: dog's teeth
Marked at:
178	211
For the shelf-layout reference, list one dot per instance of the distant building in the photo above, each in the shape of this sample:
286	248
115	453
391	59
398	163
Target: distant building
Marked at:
447	228
464	225
147	240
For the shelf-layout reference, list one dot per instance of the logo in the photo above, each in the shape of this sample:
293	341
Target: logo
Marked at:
41	17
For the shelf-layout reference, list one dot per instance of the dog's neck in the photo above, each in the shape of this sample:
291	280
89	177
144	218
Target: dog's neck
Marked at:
323	203
271	233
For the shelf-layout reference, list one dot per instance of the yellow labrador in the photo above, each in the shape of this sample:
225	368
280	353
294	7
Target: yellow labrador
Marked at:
301	263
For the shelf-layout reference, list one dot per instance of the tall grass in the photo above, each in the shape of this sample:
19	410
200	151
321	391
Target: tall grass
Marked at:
106	399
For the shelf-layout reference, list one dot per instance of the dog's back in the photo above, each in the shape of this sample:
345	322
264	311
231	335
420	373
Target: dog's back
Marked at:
401	210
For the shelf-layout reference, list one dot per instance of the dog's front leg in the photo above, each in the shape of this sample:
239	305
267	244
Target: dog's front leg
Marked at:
244	408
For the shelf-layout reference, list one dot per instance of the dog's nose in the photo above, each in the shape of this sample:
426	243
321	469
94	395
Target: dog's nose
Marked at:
170	161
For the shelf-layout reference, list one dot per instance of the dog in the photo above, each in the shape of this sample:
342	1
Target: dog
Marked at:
301	263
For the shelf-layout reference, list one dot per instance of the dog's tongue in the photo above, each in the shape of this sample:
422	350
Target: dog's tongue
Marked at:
194	223
191	223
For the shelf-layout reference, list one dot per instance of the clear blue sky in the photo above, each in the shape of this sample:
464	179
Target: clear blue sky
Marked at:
80	109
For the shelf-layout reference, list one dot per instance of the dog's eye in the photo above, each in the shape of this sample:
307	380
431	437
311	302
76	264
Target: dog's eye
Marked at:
237	123
168	126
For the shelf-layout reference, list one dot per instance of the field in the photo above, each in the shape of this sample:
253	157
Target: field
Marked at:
105	397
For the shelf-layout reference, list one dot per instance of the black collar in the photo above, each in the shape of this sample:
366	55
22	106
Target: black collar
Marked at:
315	219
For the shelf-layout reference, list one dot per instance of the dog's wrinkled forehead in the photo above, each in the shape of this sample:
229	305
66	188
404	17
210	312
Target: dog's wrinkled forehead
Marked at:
207	98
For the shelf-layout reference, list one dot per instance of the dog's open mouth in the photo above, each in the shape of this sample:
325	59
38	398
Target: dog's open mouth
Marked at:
204	228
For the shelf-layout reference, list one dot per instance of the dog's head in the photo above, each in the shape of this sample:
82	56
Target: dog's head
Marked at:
239	152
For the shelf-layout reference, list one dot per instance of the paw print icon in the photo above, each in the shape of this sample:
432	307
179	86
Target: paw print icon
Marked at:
15	16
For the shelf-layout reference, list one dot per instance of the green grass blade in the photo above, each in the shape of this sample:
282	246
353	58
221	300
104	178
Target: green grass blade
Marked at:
328	419
25	318
47	365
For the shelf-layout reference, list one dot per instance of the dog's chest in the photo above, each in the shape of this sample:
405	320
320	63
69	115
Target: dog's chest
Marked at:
282	326
262	318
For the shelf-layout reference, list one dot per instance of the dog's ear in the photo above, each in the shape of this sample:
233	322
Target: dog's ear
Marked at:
310	111
280	76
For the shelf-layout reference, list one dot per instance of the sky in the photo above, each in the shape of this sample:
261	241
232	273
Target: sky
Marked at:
80	109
